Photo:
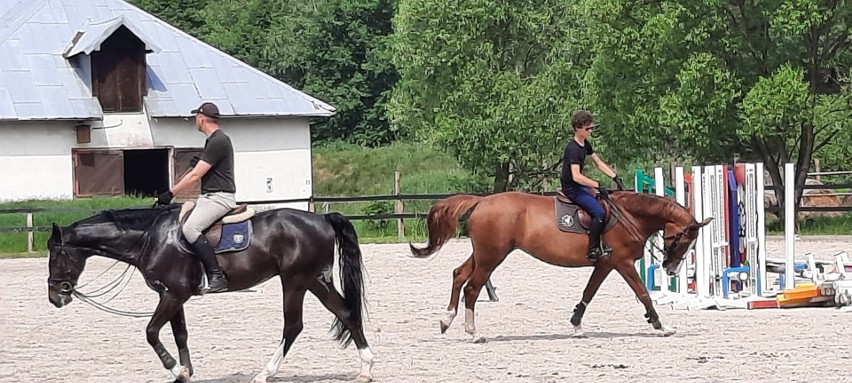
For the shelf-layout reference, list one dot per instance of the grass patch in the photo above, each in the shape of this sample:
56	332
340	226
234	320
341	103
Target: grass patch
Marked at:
341	169
17	242
813	226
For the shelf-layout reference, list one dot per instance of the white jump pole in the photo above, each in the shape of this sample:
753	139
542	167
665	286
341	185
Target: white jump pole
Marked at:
789	223
702	245
660	190
680	197
762	288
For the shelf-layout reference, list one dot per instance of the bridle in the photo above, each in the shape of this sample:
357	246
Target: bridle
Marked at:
634	232
66	287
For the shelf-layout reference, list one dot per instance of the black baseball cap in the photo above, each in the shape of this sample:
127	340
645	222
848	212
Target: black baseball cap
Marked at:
208	109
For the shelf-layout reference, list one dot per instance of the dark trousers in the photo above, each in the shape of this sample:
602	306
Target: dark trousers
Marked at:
583	197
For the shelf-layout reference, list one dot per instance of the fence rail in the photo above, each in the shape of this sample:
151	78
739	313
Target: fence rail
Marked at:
398	215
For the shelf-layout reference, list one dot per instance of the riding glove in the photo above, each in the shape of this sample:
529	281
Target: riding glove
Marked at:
165	198
618	182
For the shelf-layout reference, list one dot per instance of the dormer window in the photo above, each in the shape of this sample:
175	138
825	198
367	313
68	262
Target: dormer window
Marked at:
118	72
117	51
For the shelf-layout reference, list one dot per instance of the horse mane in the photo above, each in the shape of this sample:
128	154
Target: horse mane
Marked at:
128	219
651	205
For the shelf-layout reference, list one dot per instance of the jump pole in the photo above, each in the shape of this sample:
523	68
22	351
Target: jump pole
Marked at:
680	197
789	223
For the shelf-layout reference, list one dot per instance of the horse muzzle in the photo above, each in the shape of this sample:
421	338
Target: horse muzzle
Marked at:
60	294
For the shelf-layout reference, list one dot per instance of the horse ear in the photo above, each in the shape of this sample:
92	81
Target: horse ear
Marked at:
696	226
56	235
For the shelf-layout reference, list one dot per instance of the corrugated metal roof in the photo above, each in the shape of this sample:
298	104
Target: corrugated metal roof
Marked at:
90	37
37	82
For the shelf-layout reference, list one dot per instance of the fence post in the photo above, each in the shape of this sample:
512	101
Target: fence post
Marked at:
398	208
816	169
30	232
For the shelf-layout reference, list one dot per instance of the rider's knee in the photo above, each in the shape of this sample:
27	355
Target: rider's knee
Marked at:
190	233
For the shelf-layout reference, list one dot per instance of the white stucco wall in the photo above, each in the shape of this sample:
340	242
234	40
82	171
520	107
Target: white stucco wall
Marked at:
35	160
272	157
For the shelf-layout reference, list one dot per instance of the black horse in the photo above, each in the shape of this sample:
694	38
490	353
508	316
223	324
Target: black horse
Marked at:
297	246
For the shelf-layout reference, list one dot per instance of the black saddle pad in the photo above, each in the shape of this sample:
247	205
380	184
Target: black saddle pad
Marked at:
568	217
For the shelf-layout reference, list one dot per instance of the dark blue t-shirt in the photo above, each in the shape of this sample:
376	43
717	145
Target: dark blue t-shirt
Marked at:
574	154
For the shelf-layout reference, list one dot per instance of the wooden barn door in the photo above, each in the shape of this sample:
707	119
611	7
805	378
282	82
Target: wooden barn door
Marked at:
98	172
182	158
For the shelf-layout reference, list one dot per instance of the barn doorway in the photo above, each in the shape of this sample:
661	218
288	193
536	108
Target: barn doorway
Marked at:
146	172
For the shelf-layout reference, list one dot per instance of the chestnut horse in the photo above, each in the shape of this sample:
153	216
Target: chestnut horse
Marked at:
502	222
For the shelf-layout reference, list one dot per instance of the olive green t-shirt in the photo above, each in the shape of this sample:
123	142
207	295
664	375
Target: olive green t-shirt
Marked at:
219	153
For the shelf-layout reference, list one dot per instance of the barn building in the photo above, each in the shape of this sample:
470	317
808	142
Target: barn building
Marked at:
95	99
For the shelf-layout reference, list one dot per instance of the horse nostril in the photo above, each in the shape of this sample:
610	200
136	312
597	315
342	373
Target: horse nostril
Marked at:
65	287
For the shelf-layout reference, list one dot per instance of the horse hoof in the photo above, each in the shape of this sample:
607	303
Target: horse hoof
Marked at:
364	379
259	378
444	326
181	374
667	331
578	332
478	339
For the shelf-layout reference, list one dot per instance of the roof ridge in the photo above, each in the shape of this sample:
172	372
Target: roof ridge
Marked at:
12	26
315	101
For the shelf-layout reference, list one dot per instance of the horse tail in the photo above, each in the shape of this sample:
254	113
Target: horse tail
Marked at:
350	273
443	220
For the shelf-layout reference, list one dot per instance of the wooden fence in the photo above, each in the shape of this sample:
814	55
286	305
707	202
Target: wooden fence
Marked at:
399	214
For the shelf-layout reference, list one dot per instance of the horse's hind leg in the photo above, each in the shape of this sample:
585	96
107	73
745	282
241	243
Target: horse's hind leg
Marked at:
460	275
294	297
481	272
331	299
599	274
629	273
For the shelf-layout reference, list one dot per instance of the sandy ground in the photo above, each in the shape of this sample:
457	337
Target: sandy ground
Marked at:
232	335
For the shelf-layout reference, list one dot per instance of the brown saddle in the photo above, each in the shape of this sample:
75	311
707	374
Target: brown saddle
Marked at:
214	232
571	218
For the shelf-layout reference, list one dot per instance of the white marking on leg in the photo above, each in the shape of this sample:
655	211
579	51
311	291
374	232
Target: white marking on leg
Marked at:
366	365
469	326
667	331
275	362
578	332
272	365
180	373
448	320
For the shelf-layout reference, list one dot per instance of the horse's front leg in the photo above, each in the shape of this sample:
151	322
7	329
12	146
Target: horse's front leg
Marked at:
599	274
178	322
629	273
166	310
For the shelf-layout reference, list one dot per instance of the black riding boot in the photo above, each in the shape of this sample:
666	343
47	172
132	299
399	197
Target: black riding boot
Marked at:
595	248
211	265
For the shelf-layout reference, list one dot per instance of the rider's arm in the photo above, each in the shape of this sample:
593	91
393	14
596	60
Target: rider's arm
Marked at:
192	177
600	164
581	179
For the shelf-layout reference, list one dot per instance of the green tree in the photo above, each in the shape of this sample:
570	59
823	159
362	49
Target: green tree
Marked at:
707	80
493	82
187	15
331	49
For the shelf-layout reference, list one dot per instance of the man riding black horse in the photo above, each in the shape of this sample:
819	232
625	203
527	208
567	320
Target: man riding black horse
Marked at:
215	169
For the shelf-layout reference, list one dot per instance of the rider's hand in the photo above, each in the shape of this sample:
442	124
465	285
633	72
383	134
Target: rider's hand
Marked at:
618	182
603	192
165	198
